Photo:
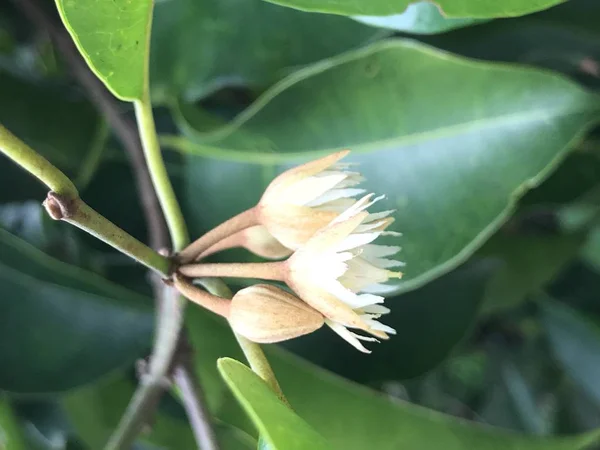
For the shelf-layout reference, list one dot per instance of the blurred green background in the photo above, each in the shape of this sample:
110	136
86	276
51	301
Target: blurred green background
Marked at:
480	131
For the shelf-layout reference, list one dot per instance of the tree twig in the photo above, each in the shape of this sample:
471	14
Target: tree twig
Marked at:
190	389
110	109
126	132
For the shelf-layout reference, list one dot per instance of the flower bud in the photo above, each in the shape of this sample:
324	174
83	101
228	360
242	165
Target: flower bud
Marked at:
304	199
267	314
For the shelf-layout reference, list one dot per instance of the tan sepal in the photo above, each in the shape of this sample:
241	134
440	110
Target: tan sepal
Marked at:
267	314
300	172
294	225
259	241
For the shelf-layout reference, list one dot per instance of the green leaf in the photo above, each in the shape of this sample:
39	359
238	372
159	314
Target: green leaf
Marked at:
351	417
192	43
420	18
575	343
457	127
278	424
95	411
577	175
113	38
565	38
591	250
452	8
57	124
71	326
529	262
10	433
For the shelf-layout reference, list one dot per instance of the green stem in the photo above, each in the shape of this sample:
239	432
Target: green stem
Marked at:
35	164
63	203
252	351
170	317
76	212
158	172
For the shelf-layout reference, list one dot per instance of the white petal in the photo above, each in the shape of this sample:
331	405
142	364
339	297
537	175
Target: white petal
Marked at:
378	325
347	335
377	216
379	288
362	301
378	251
376	309
334	194
356	240
364	227
339	205
359	206
307	189
342	293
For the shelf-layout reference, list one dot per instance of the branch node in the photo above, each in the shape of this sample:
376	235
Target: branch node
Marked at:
59	206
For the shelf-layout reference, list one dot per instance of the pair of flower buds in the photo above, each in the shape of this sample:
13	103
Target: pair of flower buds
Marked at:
313	215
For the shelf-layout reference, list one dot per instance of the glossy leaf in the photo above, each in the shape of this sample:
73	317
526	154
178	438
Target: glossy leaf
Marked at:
113	38
95	411
575	342
352	417
419	18
501	129
453	8
72	327
60	127
276	422
201	46
564	38
529	261
10	432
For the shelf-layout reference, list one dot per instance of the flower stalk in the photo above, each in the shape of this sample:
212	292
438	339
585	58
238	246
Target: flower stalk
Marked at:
273	270
228	228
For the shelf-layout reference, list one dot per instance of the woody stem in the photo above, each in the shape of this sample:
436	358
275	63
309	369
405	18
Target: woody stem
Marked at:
237	223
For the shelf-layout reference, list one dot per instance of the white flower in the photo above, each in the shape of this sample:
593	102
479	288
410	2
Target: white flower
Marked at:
337	270
295	205
302	200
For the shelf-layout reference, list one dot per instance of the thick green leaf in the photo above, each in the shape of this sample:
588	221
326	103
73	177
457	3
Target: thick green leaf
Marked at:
453	8
95	411
351	417
201	46
457	127
420	18
10	433
71	326
578	174
529	262
591	250
575	343
277	423
429	321
565	38
113	38
57	124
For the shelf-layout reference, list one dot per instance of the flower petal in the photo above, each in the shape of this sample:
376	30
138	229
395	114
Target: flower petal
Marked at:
347	335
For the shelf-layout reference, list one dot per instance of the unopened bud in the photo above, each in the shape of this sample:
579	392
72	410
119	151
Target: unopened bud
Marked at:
267	314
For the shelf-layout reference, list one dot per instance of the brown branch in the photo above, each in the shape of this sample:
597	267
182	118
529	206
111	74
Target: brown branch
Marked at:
125	130
193	398
111	111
